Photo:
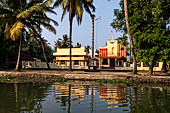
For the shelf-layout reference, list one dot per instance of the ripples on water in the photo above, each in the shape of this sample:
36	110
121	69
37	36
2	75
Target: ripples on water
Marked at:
83	97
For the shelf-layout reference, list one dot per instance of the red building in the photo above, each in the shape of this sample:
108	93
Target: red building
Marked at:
112	55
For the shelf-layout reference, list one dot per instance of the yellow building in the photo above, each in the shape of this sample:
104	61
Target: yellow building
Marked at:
80	58
112	55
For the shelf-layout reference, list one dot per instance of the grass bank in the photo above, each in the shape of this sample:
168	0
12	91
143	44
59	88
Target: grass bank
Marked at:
63	76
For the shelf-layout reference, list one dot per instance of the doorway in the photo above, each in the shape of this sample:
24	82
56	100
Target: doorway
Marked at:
112	62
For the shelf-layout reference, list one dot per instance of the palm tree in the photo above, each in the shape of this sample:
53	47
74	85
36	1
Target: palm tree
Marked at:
74	8
130	37
30	15
93	16
62	43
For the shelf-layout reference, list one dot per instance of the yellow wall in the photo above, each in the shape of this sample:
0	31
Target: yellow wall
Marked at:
78	54
66	51
147	68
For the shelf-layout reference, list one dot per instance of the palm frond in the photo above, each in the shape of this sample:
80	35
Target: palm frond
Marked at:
57	3
16	30
79	10
47	3
50	10
5	11
25	14
48	26
7	31
46	18
36	8
63	14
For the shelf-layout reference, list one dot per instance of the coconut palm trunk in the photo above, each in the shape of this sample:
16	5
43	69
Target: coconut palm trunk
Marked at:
130	38
19	50
71	26
42	45
19	54
93	16
70	45
44	54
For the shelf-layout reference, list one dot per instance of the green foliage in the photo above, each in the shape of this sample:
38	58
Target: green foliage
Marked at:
129	82
62	43
76	8
149	23
58	80
33	48
18	18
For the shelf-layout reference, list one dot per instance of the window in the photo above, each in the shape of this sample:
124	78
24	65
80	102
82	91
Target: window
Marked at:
112	50
119	63
76	62
105	62
63	62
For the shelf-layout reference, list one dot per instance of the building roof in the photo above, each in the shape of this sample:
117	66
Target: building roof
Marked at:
66	51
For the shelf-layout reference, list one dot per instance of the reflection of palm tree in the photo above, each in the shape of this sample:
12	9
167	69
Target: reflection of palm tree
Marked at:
92	100
27	96
69	99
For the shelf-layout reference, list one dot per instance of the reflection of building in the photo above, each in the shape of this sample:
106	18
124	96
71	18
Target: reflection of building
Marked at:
79	58
77	91
112	94
112	55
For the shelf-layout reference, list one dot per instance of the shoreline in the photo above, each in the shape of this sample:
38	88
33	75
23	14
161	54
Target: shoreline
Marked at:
31	76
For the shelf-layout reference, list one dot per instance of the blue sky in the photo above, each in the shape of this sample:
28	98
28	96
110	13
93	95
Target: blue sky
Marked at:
83	32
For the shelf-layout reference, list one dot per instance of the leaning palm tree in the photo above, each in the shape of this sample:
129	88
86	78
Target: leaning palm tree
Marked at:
19	21
130	37
74	8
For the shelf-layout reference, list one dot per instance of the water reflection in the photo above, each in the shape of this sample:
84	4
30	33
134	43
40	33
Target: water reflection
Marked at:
113	95
16	98
83	97
150	99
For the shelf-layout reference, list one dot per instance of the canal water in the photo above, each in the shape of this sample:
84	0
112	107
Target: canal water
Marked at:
83	97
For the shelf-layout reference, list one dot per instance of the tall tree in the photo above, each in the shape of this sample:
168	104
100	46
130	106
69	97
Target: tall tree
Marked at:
149	30
17	21
74	8
130	37
121	23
